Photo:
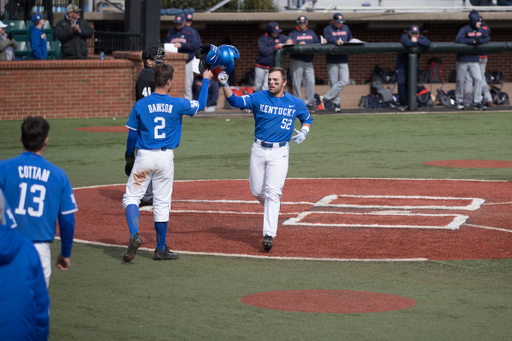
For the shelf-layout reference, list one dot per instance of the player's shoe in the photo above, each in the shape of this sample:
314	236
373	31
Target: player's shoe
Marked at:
135	243
311	108
267	243
479	106
165	255
327	103
337	108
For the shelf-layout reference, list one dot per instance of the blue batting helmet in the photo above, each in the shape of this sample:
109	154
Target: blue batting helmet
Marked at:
222	57
228	55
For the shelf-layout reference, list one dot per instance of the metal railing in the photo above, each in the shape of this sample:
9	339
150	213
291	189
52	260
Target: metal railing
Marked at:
107	42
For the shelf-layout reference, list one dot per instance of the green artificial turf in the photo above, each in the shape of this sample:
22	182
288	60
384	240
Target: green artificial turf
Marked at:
198	297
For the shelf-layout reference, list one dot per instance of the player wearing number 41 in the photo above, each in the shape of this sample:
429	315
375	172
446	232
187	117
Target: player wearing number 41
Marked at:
40	194
274	114
155	130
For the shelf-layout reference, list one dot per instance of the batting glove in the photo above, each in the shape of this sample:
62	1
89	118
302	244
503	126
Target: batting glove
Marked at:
301	135
223	78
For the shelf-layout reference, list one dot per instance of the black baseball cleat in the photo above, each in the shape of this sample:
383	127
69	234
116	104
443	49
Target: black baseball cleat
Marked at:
135	243
267	243
165	255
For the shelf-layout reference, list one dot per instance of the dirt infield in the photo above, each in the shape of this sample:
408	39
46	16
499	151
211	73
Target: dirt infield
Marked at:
355	219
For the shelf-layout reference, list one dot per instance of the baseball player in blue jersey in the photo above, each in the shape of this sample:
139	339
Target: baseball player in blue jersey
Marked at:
186	41
301	65
410	39
274	114
40	194
155	130
268	44
336	33
24	299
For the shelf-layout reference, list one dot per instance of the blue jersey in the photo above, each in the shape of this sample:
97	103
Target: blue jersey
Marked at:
38	192
274	116
158	120
6	215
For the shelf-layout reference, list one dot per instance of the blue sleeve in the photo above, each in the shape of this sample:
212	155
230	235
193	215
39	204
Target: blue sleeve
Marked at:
328	35
203	95
485	38
239	102
131	141
167	39
9	217
304	116
35	44
423	41
461	37
264	47
407	42
67	231
283	38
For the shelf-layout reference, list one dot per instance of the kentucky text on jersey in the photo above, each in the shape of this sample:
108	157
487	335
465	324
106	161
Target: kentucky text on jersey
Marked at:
160	107
277	110
31	172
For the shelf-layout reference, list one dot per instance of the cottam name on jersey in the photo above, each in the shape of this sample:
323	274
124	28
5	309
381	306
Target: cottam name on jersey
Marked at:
31	172
277	110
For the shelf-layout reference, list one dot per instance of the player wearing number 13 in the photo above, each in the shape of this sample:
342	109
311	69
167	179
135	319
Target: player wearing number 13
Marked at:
40	194
274	114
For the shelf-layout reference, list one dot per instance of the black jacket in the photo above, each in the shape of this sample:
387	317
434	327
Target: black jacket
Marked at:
73	44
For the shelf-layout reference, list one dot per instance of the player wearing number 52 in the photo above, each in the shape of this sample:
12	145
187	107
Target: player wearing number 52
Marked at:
155	130
274	114
40	194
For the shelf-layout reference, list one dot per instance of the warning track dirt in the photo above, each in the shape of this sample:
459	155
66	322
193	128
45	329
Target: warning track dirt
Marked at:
349	219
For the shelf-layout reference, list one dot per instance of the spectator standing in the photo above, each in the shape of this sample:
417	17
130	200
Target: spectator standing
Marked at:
38	38
213	93
185	40
336	33
42	195
301	65
274	114
268	44
482	63
7	44
73	32
24	298
189	20
472	34
410	39
155	130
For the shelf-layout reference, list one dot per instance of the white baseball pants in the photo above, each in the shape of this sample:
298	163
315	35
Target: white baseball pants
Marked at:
468	84
152	165
260	79
474	70
339	77
268	170
303	73
43	249
189	79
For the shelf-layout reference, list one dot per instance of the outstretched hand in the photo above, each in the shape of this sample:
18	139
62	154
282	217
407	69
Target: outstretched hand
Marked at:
300	137
223	78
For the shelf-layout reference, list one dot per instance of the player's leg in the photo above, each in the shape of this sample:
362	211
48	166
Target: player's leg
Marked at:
260	78
148	197
257	172
485	88
344	80
468	89
189	79
275	175
163	179
309	84
43	249
474	70
297	73
461	70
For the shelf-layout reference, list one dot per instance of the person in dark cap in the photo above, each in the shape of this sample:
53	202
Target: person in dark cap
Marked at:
73	32
471	34
189	19
336	33
268	44
185	40
410	39
301	65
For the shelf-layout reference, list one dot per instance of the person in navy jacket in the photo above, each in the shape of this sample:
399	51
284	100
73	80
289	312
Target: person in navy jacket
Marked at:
38	38
268	44
301	65
472	34
186	41
410	39
336	33
482	63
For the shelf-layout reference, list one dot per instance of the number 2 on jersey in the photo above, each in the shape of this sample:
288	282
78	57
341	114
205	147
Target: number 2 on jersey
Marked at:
160	120
286	124
38	200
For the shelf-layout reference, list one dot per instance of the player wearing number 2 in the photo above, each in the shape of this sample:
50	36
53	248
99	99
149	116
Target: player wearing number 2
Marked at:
40	194
274	114
155	130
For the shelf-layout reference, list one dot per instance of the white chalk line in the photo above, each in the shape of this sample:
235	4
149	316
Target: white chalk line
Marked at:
237	255
489	228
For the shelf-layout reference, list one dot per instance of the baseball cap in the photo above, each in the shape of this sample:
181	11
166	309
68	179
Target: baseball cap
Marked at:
73	8
179	19
36	17
414	29
189	17
2	25
150	52
338	18
273	27
302	18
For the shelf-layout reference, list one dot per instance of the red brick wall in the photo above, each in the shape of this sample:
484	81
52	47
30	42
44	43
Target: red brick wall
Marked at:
245	38
75	88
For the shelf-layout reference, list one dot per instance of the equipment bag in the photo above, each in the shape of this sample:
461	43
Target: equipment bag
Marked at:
370	101
499	97
444	99
435	70
423	97
422	77
494	77
380	77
